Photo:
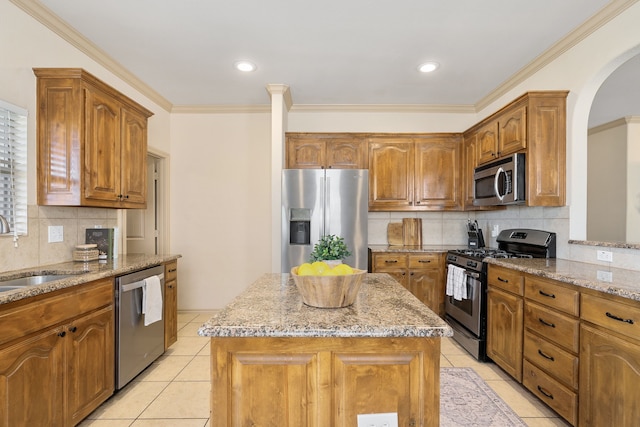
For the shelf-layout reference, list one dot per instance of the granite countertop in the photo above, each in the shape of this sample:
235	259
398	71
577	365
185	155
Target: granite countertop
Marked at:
82	272
423	248
273	307
624	283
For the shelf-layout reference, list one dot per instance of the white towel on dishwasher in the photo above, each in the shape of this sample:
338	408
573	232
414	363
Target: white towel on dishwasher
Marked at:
152	300
456	282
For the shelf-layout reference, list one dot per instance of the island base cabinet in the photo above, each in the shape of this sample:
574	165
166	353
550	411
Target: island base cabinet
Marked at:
317	382
609	378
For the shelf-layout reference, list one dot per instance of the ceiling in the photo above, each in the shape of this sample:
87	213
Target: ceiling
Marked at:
330	52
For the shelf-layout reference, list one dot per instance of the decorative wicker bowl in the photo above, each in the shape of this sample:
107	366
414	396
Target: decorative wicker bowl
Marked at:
329	291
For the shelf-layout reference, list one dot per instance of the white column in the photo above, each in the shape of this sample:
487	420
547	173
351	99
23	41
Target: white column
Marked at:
280	104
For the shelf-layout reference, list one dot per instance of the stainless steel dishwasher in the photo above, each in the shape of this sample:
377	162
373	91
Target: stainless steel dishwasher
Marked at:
137	345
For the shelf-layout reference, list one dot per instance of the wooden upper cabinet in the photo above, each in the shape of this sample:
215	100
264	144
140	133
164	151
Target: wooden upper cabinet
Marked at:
487	142
437	172
391	173
534	124
415	172
92	142
319	151
512	132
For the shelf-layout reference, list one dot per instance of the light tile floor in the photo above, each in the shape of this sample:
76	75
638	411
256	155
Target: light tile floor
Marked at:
174	390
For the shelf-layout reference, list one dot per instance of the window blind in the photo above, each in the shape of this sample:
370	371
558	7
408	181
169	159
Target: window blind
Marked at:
13	166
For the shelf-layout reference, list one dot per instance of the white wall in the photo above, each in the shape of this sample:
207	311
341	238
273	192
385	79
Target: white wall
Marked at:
28	44
607	183
220	204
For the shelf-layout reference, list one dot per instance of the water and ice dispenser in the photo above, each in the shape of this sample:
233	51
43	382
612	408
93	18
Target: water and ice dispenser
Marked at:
300	226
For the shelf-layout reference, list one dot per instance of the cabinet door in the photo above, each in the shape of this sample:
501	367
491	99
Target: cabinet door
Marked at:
90	363
102	147
391	173
505	331
31	375
437	173
170	303
487	142
346	153
426	285
512	135
133	186
469	166
609	378
305	153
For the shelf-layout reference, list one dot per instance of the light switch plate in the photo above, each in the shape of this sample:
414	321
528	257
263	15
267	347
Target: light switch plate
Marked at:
56	233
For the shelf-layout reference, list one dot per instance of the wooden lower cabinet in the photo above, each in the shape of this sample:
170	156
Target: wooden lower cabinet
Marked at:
504	331
609	378
420	273
90	363
39	357
170	303
56	375
317	382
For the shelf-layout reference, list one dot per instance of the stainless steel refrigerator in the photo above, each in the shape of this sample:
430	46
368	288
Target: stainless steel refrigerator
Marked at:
318	202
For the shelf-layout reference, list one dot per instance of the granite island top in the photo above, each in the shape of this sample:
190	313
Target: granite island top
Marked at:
81	272
624	283
273	307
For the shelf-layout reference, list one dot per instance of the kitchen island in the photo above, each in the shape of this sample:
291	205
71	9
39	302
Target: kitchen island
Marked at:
278	362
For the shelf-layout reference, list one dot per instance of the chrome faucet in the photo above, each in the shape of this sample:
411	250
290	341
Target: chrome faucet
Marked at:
4	226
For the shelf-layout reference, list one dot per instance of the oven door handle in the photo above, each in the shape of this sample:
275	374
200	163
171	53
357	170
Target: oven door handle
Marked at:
469	273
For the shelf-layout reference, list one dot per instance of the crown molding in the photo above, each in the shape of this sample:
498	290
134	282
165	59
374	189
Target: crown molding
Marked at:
383	108
606	14
44	15
220	109
623	121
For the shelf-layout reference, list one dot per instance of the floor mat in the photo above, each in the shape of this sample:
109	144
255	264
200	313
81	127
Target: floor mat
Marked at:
466	401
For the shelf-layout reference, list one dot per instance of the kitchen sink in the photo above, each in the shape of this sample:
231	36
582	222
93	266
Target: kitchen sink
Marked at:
22	282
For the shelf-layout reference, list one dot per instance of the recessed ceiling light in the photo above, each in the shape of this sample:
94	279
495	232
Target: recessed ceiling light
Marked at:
428	67
246	66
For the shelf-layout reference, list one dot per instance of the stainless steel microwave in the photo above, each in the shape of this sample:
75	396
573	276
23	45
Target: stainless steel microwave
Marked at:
501	182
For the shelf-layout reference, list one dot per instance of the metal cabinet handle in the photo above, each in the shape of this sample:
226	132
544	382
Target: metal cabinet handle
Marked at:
544	294
172	270
545	392
541	320
390	261
619	319
62	334
541	353
424	261
503	280
73	329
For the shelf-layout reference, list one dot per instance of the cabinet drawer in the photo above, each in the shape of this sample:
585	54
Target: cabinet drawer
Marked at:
509	280
559	363
424	261
614	315
383	262
170	271
552	295
23	319
561	399
554	326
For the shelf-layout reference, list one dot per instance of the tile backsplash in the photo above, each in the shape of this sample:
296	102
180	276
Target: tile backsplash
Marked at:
449	228
34	249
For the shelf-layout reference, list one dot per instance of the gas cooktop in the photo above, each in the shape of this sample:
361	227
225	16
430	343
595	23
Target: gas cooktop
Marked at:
481	253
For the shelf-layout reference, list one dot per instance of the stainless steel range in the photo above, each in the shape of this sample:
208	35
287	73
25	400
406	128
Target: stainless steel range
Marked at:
466	303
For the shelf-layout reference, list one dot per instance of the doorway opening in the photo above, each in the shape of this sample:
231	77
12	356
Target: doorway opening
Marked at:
146	228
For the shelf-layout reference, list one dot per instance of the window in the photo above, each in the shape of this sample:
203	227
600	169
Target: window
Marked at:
13	166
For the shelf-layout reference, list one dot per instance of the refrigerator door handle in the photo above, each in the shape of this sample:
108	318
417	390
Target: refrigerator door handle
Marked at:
326	221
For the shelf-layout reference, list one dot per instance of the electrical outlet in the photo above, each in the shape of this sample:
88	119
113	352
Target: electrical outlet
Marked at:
605	276
605	256
56	233
389	419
